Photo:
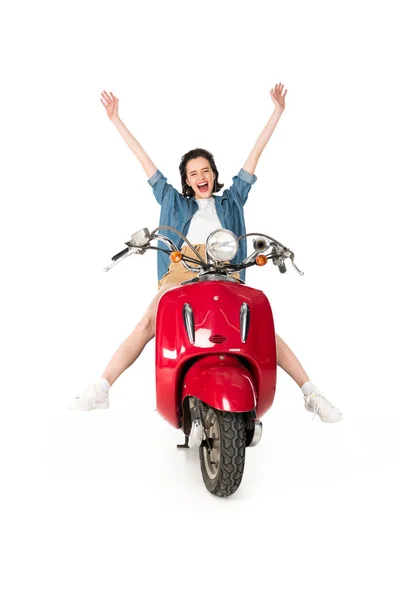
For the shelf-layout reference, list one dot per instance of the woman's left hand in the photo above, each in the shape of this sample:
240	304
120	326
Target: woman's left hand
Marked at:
277	97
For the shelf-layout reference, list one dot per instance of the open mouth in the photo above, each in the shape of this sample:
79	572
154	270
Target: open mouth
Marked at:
203	187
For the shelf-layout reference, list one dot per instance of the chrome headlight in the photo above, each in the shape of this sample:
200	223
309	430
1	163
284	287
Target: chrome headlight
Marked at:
222	245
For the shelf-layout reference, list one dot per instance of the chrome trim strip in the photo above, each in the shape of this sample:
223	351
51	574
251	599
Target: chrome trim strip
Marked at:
188	318
244	321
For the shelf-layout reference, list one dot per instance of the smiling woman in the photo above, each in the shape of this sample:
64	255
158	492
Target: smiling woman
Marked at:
199	174
200	178
196	212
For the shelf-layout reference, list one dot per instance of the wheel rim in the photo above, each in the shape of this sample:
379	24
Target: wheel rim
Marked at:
212	431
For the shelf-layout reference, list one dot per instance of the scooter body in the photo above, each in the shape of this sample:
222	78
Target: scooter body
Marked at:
215	350
215	341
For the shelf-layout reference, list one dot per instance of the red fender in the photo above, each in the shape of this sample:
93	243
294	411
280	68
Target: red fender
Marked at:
222	382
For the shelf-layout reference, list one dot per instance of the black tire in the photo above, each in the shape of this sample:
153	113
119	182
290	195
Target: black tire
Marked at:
222	469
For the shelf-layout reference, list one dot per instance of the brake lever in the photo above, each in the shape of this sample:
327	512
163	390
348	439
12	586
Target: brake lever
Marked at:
289	254
124	254
293	263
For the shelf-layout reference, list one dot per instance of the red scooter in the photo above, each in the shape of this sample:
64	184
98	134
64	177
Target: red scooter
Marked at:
215	350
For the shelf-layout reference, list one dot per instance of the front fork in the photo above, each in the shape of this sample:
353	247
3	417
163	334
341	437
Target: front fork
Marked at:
197	435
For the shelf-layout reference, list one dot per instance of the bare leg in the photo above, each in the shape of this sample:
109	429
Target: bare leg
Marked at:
132	347
289	363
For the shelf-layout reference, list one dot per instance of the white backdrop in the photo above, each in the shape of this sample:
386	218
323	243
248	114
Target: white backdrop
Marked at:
102	505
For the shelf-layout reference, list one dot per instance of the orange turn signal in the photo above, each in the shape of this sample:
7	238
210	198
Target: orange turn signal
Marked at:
175	257
261	260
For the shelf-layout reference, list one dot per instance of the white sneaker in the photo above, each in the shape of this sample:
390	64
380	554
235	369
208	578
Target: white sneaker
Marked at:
93	397
319	405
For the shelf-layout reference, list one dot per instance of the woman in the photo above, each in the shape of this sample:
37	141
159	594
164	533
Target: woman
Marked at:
196	212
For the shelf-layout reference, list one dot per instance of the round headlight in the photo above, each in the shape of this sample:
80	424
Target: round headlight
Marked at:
222	245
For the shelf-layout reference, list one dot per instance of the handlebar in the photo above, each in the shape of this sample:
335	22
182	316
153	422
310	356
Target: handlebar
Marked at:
140	242
120	254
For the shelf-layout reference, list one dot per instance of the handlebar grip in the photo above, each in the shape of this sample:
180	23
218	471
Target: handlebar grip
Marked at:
117	256
282	268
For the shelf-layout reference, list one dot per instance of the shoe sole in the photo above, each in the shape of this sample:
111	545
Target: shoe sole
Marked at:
323	420
87	408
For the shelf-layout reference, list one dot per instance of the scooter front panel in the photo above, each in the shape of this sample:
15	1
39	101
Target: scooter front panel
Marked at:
216	308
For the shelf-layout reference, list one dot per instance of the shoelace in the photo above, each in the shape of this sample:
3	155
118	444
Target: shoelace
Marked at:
89	394
320	408
94	390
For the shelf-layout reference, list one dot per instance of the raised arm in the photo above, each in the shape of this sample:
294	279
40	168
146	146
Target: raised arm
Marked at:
110	102
278	99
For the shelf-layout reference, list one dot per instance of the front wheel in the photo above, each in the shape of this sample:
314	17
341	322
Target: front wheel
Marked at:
222	455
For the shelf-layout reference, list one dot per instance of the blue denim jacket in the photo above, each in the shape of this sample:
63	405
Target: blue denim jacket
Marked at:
177	211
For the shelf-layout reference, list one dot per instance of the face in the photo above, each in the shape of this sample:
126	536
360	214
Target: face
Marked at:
200	177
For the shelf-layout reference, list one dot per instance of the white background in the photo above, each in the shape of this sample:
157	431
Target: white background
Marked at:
101	504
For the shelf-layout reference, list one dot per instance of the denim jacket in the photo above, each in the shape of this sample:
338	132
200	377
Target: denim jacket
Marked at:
177	211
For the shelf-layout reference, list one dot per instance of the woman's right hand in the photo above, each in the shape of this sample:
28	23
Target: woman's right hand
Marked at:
110	102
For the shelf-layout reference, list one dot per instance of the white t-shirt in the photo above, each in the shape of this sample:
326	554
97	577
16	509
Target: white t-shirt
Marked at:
203	222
